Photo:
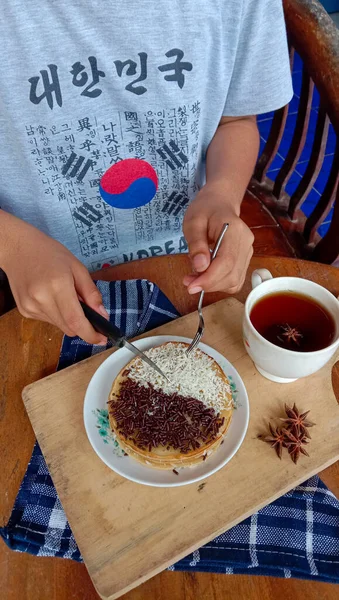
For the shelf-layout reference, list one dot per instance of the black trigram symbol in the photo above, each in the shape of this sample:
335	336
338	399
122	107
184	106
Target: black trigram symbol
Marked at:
172	155
75	168
87	214
175	203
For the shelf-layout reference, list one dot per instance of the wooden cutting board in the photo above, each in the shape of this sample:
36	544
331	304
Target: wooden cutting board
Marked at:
128	532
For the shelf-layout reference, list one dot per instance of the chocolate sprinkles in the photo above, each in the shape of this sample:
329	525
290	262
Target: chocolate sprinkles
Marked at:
150	418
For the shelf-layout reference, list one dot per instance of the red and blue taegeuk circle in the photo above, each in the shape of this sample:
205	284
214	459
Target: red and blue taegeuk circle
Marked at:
129	184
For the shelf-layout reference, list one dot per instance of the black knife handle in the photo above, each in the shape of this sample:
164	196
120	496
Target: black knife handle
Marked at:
102	325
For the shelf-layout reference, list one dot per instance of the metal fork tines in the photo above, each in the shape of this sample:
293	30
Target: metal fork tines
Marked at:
196	340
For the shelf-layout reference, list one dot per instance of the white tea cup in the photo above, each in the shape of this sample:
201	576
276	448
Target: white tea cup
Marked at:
279	364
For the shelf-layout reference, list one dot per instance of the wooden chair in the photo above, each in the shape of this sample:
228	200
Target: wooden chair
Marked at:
277	220
315	38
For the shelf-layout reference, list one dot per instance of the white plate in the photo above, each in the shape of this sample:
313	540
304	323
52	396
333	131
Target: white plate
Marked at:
107	448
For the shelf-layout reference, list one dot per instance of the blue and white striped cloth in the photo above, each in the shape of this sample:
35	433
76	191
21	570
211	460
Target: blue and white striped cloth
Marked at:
295	536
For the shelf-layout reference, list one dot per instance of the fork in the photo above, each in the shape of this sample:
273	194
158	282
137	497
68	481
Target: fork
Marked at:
196	340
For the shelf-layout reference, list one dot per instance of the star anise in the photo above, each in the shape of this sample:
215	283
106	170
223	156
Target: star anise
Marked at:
294	445
293	435
296	421
277	439
291	334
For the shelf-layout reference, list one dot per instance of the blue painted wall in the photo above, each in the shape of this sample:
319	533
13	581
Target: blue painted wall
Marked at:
331	5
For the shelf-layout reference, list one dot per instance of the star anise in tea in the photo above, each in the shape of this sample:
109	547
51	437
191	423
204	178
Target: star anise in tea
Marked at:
276	439
297	421
294	444
291	334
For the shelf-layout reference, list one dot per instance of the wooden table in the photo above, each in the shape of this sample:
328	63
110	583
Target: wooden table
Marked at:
29	351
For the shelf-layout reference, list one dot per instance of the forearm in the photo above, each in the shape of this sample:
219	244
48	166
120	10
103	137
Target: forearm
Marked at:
13	232
7	224
231	158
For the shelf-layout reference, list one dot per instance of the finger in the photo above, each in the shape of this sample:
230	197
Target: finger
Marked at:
227	276
47	310
188	279
75	320
87	290
36	315
54	316
236	288
195	232
33	308
217	273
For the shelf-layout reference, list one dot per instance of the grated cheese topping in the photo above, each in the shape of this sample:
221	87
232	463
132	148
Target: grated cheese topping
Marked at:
190	376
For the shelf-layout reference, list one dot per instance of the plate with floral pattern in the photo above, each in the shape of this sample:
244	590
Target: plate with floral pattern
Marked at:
104	441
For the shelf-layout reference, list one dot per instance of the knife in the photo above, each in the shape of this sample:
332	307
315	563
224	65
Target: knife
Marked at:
112	332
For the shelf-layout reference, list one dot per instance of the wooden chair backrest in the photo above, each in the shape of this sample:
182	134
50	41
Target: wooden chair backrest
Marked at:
313	35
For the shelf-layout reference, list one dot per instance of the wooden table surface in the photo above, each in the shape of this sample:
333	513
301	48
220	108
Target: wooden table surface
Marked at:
29	351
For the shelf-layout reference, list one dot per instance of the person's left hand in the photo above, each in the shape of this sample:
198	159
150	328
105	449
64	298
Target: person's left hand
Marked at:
202	225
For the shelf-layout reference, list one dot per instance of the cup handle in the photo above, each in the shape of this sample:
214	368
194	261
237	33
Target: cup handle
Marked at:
259	276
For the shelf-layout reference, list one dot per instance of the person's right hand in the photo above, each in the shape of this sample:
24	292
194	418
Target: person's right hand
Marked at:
46	280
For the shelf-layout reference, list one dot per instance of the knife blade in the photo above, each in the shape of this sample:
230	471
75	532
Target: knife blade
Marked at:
138	352
112	332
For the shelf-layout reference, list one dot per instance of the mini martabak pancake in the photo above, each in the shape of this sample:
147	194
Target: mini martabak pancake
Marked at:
176	423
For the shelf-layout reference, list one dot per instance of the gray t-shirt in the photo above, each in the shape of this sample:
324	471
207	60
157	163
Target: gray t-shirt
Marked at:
87	85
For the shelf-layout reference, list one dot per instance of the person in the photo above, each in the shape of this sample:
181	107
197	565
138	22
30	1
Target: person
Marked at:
164	96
